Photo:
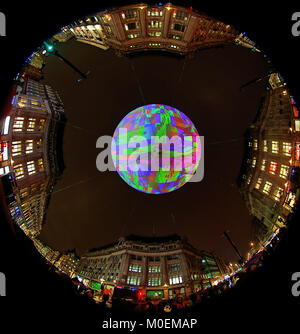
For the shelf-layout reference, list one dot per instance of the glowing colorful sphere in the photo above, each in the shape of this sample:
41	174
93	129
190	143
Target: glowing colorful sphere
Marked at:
156	149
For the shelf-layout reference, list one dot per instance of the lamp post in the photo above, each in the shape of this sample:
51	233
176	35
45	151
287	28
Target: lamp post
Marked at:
51	49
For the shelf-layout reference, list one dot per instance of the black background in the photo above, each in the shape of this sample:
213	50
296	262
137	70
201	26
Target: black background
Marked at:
36	298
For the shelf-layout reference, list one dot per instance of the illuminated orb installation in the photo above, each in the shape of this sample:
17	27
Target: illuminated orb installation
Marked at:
156	149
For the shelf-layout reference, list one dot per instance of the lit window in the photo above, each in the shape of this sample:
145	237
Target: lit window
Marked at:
24	192
278	193
133	36
267	187
297	125
154	269
16	148
284	171
29	146
255	144
133	280
275	147
154	281
263	165
286	148
290	200
154	33
175	279
155	24
19	171
4	151
6	125
258	183
135	268
254	162
40	165
265	146
273	167
31	124
249	179
41	124
18	124
30	167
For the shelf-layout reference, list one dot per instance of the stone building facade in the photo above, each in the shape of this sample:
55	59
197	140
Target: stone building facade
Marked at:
162	265
268	180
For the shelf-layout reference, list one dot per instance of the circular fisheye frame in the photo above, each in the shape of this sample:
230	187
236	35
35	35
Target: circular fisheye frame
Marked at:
68	139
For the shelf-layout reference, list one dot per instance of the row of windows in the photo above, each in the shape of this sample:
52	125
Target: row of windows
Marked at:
273	168
286	147
32	167
30	125
26	147
266	189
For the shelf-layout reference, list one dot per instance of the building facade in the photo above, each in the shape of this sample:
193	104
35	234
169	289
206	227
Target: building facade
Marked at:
268	180
159	265
142	27
28	162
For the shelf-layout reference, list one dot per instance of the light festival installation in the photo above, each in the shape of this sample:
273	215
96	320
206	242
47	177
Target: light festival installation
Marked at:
156	149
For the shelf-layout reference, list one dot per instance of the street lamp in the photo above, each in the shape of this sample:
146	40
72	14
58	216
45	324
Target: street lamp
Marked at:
51	49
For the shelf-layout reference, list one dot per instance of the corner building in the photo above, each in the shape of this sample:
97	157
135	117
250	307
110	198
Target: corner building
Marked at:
268	180
141	27
160	266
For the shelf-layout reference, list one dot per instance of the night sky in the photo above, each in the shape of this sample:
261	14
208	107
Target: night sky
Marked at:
90	208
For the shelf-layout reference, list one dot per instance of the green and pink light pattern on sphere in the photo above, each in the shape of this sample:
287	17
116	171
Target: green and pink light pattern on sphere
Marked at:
148	166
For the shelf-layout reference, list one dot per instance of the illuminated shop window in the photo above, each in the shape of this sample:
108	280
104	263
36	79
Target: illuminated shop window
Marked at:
275	147
286	148
267	187
29	146
155	24
133	280
258	183
284	171
6	124
273	167
265	146
135	268
4	151
263	165
175	279
18	124
31	124
278	193
30	167
154	281
254	162
40	165
154	269
16	148
19	171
